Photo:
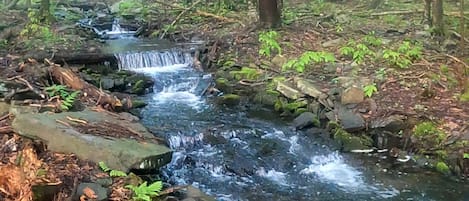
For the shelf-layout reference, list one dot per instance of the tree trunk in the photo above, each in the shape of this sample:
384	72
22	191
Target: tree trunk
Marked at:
427	14
462	25
269	13
44	11
437	16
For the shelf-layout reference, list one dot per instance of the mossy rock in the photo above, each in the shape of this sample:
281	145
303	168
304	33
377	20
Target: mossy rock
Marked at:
266	98
428	136
138	88
224	85
441	167
138	104
349	142
229	99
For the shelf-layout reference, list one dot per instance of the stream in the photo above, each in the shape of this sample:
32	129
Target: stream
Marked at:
235	154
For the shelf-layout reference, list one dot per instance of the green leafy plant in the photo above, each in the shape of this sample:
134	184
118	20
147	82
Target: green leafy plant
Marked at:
112	173
144	192
65	95
370	90
358	51
404	55
381	74
371	40
299	64
466	155
245	73
269	43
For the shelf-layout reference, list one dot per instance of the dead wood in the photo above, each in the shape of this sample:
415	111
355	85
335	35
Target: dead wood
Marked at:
67	77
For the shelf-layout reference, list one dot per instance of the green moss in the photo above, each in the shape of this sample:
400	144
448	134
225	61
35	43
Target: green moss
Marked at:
230	99
138	104
299	111
332	125
138	87
221	81
278	106
442	168
316	122
295	105
245	73
349	142
427	131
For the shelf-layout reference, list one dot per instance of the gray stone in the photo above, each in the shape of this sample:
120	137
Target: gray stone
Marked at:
346	82
121	154
307	87
288	91
192	193
99	191
107	83
279	61
314	107
352	95
393	123
304	120
349	120
332	43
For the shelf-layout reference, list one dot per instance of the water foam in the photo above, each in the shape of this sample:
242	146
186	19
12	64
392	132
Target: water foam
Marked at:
332	168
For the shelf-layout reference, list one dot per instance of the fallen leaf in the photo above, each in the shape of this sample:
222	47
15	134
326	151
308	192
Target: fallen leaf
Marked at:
88	192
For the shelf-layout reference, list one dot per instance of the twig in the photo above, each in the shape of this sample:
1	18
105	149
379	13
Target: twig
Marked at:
179	16
77	120
457	60
63	122
202	13
247	83
397	12
5	117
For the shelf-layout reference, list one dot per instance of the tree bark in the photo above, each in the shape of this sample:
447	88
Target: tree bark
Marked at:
269	13
427	14
437	17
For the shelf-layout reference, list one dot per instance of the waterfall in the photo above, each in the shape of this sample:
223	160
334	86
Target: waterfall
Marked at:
153	59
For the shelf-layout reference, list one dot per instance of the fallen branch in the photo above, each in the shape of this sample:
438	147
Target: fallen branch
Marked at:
77	120
67	77
179	16
397	12
202	13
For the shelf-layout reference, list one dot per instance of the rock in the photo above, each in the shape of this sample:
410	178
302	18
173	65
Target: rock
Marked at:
332	43
99	191
128	117
192	193
307	87
288	91
138	103
305	119
223	85
120	154
229	99
45	192
352	95
349	120
393	123
349	142
267	98
314	107
279	61
346	82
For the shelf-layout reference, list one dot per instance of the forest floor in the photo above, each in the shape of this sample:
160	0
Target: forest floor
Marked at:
431	88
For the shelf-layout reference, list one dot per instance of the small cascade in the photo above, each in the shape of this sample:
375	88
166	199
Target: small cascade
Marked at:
165	61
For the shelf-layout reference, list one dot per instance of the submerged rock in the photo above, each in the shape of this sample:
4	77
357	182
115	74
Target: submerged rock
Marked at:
117	153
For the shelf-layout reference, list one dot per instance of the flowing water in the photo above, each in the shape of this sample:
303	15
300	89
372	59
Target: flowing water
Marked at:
253	155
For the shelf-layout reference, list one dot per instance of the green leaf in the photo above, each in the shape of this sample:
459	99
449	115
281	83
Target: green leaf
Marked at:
156	186
103	166
117	173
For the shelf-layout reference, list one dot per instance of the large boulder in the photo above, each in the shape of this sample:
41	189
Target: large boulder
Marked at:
309	88
118	153
288	91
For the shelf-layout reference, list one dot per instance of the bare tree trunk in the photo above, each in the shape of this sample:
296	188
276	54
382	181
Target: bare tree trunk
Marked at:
438	17
427	14
44	11
269	13
462	25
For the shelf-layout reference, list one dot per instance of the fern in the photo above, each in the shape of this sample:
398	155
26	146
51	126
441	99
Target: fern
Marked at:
67	98
112	173
143	192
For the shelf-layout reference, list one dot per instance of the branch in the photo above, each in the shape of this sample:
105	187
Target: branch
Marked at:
179	16
202	13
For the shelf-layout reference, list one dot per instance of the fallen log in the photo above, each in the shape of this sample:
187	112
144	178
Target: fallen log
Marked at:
67	77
